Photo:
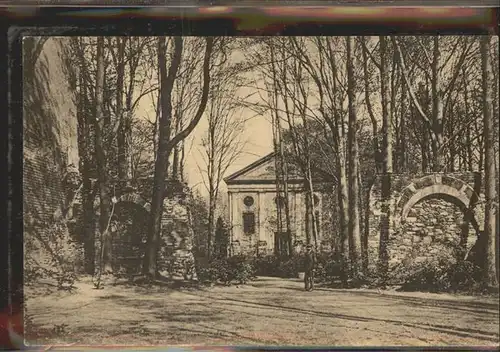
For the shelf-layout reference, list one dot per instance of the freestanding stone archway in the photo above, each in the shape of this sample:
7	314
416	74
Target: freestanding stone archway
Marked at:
129	232
427	216
134	198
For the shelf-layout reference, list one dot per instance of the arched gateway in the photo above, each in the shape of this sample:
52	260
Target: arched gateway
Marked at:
427	217
129	228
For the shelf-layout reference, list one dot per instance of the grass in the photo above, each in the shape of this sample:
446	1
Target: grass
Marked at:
268	311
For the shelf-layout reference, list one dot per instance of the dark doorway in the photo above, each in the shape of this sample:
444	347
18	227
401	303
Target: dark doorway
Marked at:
129	237
282	244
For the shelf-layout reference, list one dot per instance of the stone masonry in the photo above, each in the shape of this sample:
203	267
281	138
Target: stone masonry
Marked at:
50	148
176	259
426	216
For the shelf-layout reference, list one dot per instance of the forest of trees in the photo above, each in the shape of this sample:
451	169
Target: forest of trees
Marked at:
356	107
350	107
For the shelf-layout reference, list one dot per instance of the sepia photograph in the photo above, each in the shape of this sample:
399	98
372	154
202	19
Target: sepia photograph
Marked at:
261	191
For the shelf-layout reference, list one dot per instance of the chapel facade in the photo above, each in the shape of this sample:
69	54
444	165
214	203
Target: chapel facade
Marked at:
253	210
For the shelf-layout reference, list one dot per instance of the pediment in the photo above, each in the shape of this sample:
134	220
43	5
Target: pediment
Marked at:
262	170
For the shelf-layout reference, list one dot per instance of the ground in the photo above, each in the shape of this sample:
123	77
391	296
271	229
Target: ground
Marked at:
267	311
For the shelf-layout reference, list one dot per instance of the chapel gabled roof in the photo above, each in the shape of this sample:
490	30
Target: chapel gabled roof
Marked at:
249	167
262	171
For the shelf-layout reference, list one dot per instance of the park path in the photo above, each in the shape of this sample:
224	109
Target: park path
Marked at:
268	311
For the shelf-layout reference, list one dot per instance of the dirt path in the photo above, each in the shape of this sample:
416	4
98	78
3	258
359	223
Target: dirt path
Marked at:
267	312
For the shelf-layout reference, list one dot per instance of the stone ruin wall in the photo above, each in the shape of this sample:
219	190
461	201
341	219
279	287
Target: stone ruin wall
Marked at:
49	149
176	258
49	134
430	228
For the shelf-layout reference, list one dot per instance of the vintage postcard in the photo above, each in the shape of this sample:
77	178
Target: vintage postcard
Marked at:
271	191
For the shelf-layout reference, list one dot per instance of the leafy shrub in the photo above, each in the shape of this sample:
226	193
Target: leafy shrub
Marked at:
327	269
266	265
51	253
425	276
240	269
290	268
271	265
208	274
226	270
441	276
464	276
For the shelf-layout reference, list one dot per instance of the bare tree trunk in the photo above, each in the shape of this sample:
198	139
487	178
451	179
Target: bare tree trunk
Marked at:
279	157
342	191
166	144
490	277
309	185
105	201
367	96
308	219
284	174
403	157
387	166
468	217
175	162
354	225
87	191
211	221
121	137
182	161
423	150
437	111
468	132
310	195
161	164
343	197
211	187
156	124
364	200
386	116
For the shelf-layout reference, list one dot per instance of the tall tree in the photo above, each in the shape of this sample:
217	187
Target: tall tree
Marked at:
86	161
330	85
354	219
223	143
100	158
387	154
86	154
490	277
166	143
441	90
123	170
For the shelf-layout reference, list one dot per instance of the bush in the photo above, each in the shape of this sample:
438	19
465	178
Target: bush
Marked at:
208	274
51	253
327	269
240	269
226	271
290	268
271	265
464	276
442	276
266	265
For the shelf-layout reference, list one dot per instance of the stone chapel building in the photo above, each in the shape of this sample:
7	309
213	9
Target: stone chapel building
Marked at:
253	209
